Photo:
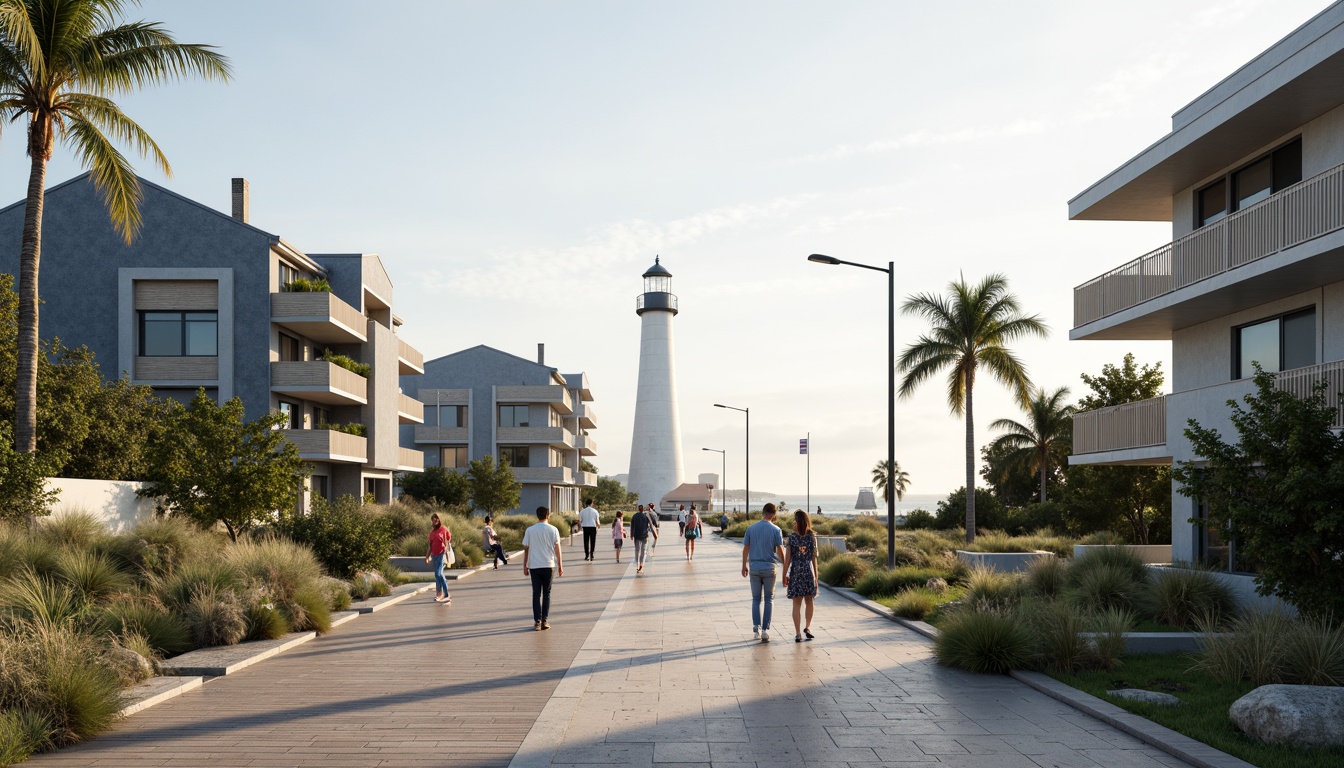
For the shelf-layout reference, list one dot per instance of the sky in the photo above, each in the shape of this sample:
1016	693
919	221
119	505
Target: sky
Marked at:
519	165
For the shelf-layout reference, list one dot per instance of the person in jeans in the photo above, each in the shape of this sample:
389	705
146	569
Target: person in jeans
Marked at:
589	520
490	540
440	538
691	532
641	525
542	562
762	542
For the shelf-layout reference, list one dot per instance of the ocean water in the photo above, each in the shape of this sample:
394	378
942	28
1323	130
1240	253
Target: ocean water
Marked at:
843	505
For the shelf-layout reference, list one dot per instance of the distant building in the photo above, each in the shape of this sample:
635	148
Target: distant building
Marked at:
698	494
484	402
655	445
204	299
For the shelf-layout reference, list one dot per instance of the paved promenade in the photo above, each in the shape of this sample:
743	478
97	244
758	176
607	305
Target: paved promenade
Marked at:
655	669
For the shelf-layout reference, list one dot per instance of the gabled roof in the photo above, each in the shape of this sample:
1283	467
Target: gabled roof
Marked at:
485	348
694	492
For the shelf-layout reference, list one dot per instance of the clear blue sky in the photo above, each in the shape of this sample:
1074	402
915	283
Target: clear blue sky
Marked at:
518	166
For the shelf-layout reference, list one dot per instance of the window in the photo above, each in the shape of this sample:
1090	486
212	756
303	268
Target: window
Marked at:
321	416
292	413
291	349
179	334
1249	184
515	455
1278	344
556	419
456	415
557	458
288	275
453	457
319	486
513	416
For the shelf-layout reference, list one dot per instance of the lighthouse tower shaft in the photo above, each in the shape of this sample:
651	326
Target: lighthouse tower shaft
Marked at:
655	446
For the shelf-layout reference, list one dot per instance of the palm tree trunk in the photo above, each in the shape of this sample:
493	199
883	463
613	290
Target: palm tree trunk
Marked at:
970	458
25	418
1045	460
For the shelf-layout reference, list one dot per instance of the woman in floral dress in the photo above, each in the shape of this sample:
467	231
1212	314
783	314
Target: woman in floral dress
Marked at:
800	573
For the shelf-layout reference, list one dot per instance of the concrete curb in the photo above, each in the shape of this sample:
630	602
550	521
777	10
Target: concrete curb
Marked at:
399	594
226	659
156	690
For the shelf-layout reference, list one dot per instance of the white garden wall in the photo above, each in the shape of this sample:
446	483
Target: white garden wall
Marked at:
112	501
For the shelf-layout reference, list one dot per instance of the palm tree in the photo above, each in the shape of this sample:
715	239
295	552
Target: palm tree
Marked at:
1045	440
971	327
880	474
61	61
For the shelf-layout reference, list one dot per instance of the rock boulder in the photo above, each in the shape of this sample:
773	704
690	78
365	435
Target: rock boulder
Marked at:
1299	715
1147	697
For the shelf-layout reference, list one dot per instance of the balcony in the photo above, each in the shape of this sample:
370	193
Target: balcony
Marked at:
1301	382
586	479
586	415
586	445
1288	242
440	435
556	437
1138	428
409	359
410	460
556	475
320	382
409	410
328	445
322	317
554	394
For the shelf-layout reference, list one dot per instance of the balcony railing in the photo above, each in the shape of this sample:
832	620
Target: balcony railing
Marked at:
320	316
328	445
558	437
586	445
320	382
441	435
410	410
554	394
410	460
1120	427
558	475
1302	382
586	415
409	359
1299	213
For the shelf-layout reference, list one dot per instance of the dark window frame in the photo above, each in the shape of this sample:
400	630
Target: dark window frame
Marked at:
296	350
1281	174
1279	318
524	450
499	415
295	414
460	457
182	323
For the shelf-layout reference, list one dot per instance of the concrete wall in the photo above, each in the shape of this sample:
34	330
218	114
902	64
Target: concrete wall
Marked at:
112	501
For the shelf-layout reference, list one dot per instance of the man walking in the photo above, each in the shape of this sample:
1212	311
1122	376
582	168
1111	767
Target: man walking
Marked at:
589	520
762	542
641	525
681	520
542	562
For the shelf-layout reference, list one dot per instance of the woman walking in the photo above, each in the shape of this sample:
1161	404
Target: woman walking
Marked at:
692	532
491	541
440	538
800	572
618	533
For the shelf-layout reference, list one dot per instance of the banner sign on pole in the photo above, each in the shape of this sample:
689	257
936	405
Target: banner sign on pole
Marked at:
802	446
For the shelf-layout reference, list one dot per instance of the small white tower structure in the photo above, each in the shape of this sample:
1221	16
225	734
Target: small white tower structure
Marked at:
655	448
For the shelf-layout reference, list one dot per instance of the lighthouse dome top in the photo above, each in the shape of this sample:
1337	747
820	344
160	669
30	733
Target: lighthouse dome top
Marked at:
657	270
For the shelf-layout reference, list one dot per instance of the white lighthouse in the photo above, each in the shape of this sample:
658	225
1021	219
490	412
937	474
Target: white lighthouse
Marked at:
655	448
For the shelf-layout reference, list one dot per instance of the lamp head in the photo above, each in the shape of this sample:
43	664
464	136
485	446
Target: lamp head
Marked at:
718	405
823	259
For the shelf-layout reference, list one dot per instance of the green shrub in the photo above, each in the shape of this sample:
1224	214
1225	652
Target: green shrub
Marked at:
337	592
304	285
161	544
215	618
907	556
1058	627
1110	557
881	582
93	575
59	676
1102	538
39	601
1108	641
72	529
281	567
165	633
1103	586
861	540
264	622
178	588
307	610
839	527
914	604
349	428
984	642
391	577
1314	653
737	530
919	520
986	587
1046	576
31	553
22	734
346	362
843	571
408	519
1180	597
825	552
1253	648
344	537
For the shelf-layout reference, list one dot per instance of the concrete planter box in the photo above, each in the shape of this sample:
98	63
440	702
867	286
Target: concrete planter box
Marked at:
1005	562
835	541
1151	554
410	564
1159	642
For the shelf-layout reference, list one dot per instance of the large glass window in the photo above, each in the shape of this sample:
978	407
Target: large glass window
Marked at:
179	334
292	415
453	457
515	455
1277	344
291	349
455	415
1249	184
1212	202
1253	183
513	415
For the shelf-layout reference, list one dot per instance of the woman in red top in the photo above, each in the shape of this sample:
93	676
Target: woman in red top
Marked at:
440	538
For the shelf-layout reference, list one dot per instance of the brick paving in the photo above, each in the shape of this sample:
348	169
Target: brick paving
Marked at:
656	669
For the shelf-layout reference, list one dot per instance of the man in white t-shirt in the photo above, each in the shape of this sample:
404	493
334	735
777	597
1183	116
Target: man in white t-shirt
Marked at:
542	562
589	521
681	519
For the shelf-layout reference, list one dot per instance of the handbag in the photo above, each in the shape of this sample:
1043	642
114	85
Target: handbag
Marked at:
449	557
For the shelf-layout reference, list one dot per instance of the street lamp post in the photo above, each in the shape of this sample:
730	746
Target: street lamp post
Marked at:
891	392
723	479
746	411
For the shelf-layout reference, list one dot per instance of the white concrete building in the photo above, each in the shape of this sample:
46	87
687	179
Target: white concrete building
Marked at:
1251	177
655	446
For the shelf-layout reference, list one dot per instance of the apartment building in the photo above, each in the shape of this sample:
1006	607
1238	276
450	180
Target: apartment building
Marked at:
1251	178
484	402
203	298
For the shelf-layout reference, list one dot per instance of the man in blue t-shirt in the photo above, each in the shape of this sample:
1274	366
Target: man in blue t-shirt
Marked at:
761	543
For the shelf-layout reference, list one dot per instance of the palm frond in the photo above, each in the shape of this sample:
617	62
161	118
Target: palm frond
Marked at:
134	68
111	173
109	118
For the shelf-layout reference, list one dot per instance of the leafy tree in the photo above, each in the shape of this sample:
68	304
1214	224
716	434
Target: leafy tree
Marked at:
880	474
23	490
1279	491
436	485
1010	482
61	61
971	327
1136	499
1043	444
493	487
919	519
344	535
587	466
949	514
213	467
610	493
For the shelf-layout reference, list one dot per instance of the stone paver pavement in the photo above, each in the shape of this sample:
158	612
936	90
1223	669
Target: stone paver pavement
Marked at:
672	677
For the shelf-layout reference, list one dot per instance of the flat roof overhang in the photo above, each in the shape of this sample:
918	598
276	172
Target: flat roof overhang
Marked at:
1289	85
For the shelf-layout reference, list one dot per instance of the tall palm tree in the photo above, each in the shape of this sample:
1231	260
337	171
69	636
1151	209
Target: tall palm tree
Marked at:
971	327
61	61
901	482
1045	440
